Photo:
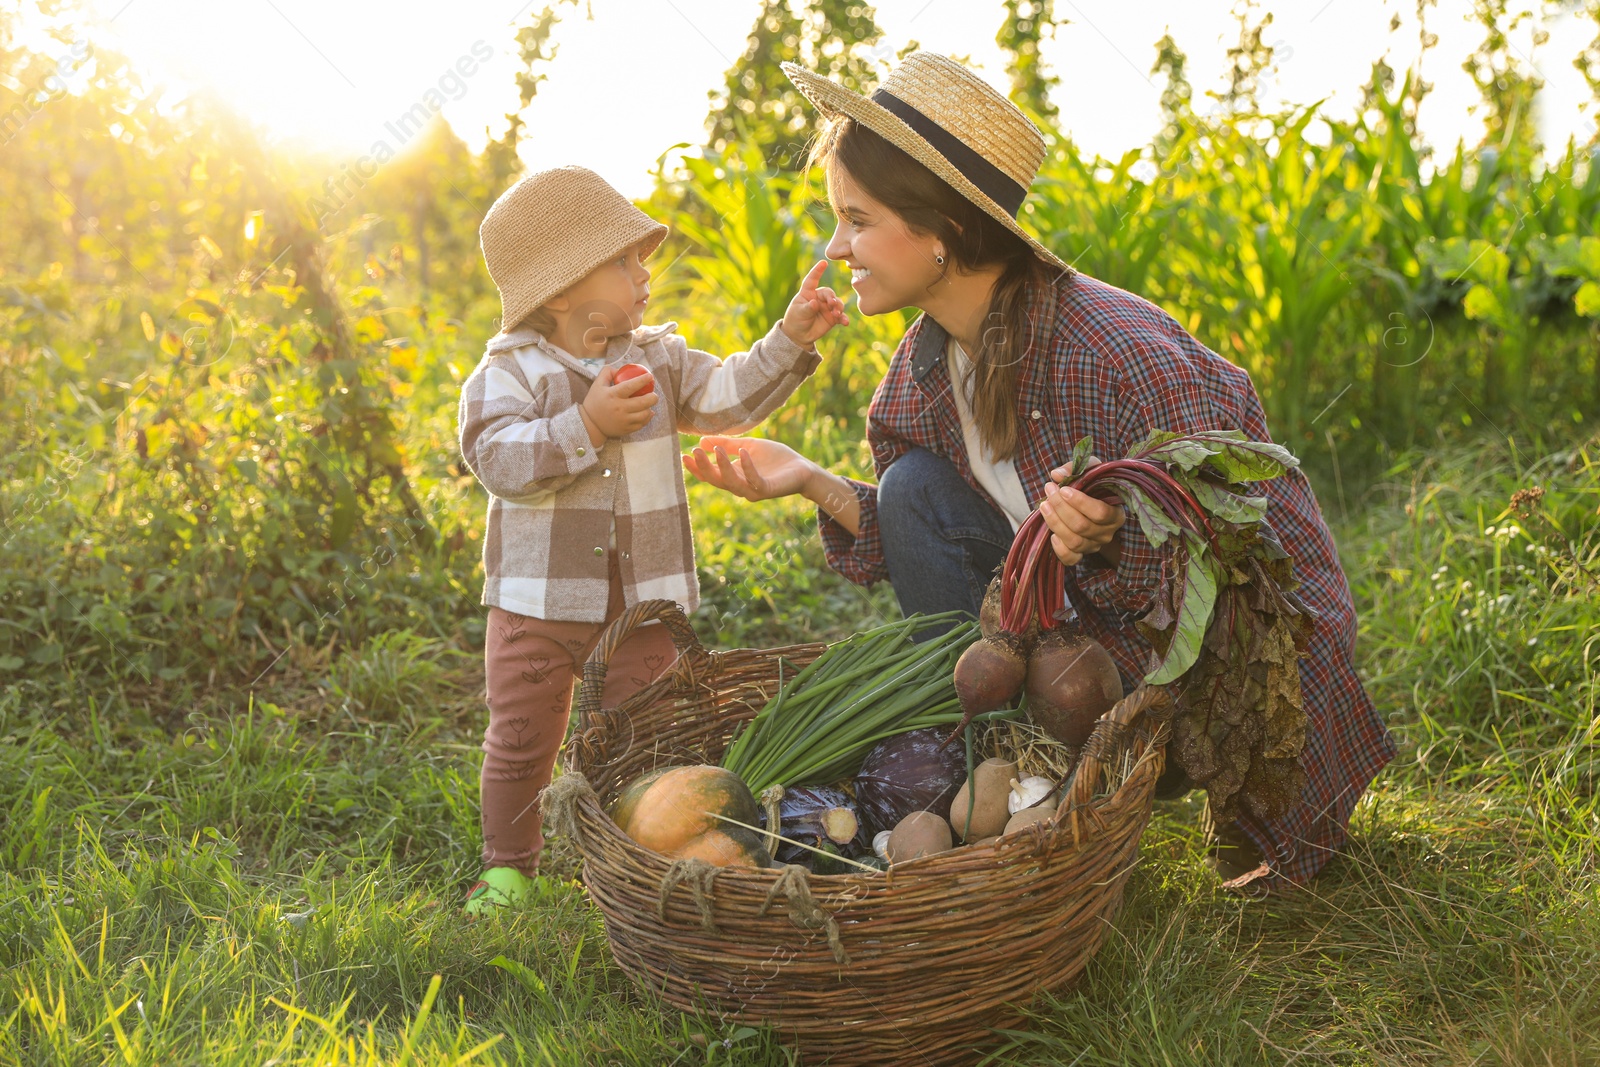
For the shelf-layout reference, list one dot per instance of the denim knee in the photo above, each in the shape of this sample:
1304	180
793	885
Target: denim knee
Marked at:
903	486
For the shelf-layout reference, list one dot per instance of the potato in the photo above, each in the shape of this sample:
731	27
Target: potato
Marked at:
991	782
922	833
1029	816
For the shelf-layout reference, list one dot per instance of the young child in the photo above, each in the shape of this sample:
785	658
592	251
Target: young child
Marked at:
587	509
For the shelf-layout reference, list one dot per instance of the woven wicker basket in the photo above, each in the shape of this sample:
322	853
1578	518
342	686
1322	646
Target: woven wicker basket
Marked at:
913	966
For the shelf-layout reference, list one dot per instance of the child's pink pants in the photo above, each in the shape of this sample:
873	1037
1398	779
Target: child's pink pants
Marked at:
530	667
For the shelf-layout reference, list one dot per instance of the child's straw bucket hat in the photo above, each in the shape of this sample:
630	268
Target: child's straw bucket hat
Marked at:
552	228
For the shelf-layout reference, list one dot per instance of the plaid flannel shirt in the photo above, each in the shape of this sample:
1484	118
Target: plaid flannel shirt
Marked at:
1110	364
554	496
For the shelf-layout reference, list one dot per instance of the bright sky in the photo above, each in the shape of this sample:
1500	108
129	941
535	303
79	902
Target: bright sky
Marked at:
632	81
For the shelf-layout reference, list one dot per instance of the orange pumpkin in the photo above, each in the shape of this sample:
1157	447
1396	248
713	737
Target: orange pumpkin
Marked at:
667	809
627	802
733	846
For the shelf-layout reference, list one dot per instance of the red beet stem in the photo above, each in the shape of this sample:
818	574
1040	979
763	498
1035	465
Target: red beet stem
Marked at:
1155	482
1049	567
1033	579
1008	582
1058	590
1026	608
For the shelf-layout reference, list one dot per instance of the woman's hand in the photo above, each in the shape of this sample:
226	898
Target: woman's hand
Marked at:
814	311
1080	525
751	467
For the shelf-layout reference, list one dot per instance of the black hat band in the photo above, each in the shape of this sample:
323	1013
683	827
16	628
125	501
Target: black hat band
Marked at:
994	182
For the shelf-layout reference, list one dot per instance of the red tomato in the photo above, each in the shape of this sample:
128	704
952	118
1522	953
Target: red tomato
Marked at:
629	371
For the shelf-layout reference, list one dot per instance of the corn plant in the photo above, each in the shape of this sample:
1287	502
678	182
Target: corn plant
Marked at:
1577	258
1103	219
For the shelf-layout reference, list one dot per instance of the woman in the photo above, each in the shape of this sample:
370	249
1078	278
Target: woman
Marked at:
1014	358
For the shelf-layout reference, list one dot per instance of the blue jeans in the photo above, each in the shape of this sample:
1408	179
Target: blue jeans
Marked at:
942	542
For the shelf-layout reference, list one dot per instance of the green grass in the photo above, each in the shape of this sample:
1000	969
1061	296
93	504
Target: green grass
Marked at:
244	881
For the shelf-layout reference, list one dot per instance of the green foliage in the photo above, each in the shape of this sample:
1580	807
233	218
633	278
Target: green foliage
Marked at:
536	48
1587	61
1248	59
759	108
243	490
1571	256
395	671
1508	86
1028	22
257	453
230	433
763	580
282	881
1176	94
1483	571
228	461
1493	298
1308	263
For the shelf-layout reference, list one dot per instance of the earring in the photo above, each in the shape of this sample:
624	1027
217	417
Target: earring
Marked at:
939	260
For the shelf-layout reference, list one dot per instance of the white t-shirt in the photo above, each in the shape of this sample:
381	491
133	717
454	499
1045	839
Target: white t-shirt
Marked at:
997	476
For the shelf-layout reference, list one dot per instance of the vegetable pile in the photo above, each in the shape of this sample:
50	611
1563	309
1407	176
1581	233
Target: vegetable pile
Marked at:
692	812
866	715
847	756
1225	625
907	773
1027	645
860	691
813	824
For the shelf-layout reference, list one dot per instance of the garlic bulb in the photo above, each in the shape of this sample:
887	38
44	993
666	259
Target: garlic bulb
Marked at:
1028	792
880	844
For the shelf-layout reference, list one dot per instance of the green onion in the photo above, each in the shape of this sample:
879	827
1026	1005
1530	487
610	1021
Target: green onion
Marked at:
872	685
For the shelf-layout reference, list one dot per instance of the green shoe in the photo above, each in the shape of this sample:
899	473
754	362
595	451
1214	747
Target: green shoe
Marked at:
498	887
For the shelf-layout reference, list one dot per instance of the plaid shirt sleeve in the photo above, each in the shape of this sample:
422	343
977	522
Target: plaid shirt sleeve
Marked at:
860	558
1156	382
509	442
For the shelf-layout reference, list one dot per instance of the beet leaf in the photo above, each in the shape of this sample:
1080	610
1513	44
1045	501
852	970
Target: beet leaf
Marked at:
1194	616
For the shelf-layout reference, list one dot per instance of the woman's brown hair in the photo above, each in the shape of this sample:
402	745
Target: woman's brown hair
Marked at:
972	239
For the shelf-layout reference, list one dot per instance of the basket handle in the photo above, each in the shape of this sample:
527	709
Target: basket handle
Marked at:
1106	741
670	612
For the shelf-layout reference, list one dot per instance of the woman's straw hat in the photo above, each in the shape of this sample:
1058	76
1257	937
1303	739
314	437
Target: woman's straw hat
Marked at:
552	228
951	121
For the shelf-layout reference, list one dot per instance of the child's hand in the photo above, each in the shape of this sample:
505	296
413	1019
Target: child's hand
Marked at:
813	312
613	409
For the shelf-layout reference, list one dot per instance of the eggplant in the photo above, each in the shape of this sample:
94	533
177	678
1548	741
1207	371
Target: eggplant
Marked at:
820	817
831	860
